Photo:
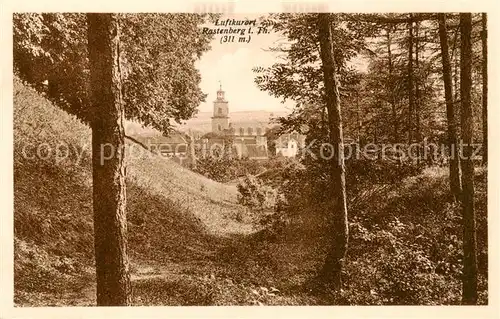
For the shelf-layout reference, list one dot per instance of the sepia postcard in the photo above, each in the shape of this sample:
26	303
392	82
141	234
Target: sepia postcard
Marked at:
221	154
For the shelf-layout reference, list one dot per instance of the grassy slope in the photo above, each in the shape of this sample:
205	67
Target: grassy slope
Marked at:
186	247
174	214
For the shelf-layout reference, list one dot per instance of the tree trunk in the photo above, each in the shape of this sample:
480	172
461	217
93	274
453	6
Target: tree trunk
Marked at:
108	167
456	75
417	93
469	292
410	82
391	88
332	267
192	151
358	119
455	185
484	40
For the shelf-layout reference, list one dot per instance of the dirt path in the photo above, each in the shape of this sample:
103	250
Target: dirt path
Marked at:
185	282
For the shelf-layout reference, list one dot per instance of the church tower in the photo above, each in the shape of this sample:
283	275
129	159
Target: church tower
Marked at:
220	118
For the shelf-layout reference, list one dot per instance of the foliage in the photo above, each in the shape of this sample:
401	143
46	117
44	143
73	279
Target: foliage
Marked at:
272	135
255	194
372	98
401	232
299	78
405	235
163	83
160	81
226	168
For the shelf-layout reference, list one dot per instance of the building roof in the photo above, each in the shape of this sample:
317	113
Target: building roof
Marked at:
173	138
255	151
251	123
249	141
282	140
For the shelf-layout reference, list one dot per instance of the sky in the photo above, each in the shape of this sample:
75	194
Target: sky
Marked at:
231	64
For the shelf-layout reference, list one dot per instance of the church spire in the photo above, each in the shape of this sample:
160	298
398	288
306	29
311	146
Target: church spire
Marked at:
220	93
220	119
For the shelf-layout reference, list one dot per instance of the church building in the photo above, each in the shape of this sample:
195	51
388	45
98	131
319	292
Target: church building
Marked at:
248	139
220	118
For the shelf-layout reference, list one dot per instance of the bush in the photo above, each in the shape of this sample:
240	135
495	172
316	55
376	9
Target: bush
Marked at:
226	168
363	172
391	265
261	199
256	195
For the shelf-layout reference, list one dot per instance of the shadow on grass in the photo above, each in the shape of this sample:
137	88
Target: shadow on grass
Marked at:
53	224
179	292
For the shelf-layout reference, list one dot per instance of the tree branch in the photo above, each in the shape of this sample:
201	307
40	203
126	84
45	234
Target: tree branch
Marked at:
373	18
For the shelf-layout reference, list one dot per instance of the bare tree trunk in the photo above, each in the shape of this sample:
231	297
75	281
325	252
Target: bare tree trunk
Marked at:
358	119
484	40
417	93
455	184
332	267
323	117
456	75
456	84
391	88
192	151
410	82
108	152
469	293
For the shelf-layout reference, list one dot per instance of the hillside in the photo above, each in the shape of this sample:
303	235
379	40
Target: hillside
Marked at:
173	213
